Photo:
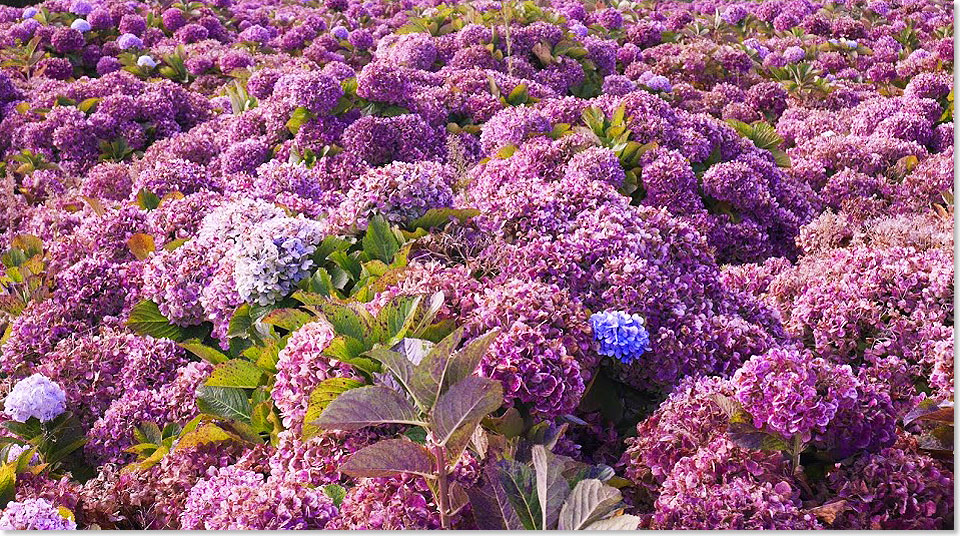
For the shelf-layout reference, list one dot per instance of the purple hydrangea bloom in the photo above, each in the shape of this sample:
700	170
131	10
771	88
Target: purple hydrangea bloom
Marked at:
34	514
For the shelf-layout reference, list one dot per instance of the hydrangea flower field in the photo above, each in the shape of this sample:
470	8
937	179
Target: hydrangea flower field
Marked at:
541	264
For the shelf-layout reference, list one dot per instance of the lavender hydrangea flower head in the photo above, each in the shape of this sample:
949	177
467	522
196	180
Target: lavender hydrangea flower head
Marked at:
35	396
34	514
620	335
128	41
733	14
81	7
794	54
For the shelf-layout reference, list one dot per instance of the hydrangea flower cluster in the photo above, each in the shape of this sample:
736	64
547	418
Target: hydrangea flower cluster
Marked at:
35	397
620	335
34	514
712	221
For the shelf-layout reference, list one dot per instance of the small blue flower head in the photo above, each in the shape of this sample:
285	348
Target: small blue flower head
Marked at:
35	396
29	12
146	61
620	335
128	41
80	25
579	30
340	33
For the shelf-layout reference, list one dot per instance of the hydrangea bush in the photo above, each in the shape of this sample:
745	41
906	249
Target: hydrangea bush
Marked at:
470	264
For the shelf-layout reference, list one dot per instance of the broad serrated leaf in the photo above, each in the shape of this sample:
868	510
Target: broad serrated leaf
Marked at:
379	241
224	402
287	318
427	379
367	406
492	508
141	245
590	501
552	488
621	522
459	410
146	319
465	361
438	217
397	316
202	435
519	485
236	373
321	396
388	458
207	353
347	350
8	483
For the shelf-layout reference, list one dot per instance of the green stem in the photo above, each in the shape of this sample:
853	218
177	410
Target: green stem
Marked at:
443	491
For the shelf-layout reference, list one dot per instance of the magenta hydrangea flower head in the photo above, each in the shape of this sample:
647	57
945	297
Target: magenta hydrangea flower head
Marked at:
733	14
34	514
620	335
793	393
35	396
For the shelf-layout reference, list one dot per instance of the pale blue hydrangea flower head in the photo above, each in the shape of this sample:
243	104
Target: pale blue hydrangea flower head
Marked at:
273	258
620	335
128	41
35	396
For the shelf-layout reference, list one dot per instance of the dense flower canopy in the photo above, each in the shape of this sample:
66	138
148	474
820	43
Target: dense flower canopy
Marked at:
699	250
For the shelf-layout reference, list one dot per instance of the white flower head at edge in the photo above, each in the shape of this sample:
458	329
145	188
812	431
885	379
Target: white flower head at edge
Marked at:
35	396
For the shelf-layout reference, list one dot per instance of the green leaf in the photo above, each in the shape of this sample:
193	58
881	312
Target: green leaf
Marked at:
321	396
367	406
428	379
590	501
8	483
147	200
236	373
345	320
24	430
460	409
397	316
438	217
464	362
287	318
224	402
347	350
298	118
336	493
552	488
621	522
149	432
519	484
492	508
379	241
146	319
197	348
389	457
203	434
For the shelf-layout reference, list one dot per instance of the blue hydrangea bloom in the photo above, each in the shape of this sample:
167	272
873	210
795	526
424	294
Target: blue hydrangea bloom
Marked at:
36	396
128	41
620	335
